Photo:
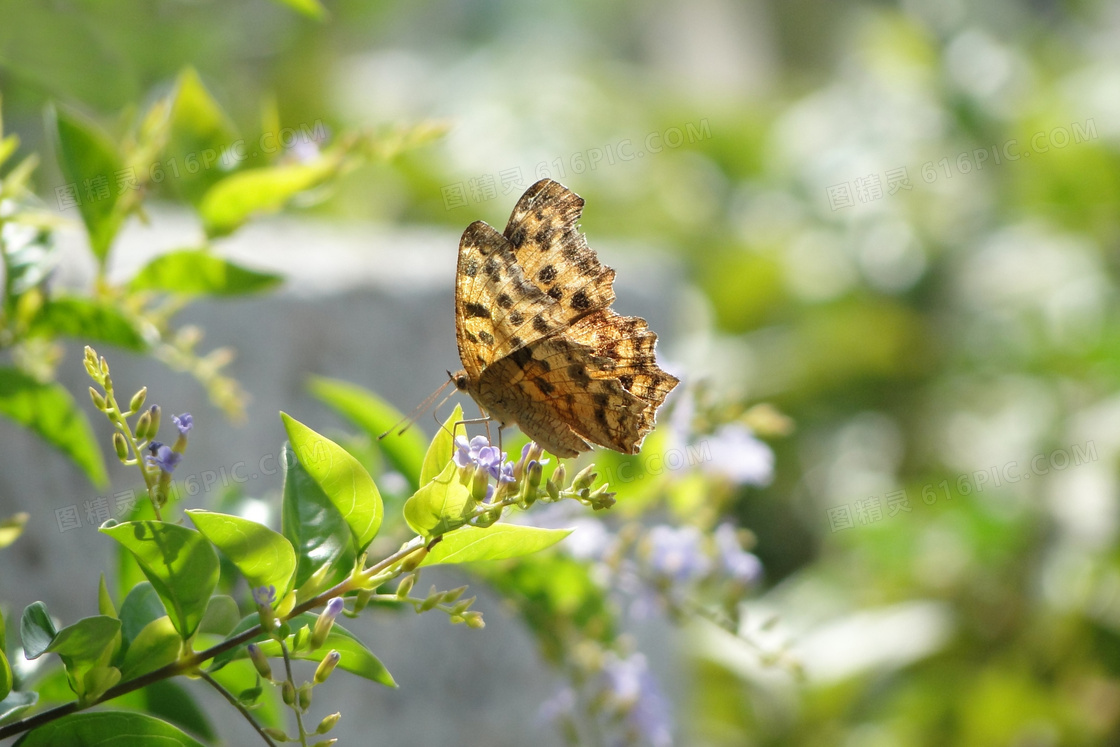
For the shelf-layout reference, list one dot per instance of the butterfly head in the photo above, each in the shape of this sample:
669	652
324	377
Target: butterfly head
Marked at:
459	379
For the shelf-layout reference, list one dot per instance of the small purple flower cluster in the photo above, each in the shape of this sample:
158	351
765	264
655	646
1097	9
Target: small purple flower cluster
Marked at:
166	457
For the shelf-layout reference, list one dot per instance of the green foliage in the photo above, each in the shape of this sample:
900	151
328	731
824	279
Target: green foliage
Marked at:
200	272
499	542
441	505
179	563
117	728
264	557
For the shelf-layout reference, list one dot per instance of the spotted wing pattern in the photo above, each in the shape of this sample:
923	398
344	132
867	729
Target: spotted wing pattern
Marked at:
540	345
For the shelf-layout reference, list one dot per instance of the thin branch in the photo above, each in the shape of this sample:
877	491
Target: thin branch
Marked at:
238	705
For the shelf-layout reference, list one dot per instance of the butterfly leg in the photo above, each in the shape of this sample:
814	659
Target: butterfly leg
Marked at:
471	421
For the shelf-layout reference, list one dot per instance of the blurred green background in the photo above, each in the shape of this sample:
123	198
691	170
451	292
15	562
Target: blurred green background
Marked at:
895	222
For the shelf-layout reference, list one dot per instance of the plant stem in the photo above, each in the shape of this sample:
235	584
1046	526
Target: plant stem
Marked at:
238	705
295	703
192	662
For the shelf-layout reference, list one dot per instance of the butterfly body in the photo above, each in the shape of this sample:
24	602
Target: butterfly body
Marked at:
539	343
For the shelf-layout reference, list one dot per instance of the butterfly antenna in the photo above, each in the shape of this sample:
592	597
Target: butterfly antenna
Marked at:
410	419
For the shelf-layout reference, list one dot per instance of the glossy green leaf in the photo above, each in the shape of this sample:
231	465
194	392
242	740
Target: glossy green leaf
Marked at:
105	602
156	645
36	630
107	729
442	447
469	544
86	319
375	416
179	563
87	638
49	411
342	478
238	197
200	133
5	676
11	528
222	615
199	272
314	526
263	556
356	658
141	606
88	160
440	506
15	704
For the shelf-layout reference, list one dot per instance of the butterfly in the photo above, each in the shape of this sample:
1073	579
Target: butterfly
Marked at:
540	346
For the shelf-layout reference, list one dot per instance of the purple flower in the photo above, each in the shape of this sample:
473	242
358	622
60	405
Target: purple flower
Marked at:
632	690
466	454
743	567
264	595
183	423
734	452
333	608
163	457
677	554
480	454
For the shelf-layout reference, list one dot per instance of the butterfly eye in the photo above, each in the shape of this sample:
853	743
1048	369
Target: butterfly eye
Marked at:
461	382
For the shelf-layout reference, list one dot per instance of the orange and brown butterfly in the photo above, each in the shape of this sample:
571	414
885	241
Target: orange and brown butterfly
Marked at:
540	345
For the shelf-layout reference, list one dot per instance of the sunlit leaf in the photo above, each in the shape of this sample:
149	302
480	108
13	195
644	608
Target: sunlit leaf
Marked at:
36	630
375	416
156	645
314	526
469	544
263	556
197	271
15	704
11	528
310	8
49	411
240	196
87	319
89	163
342	478
179	563
200	132
5	676
108	728
439	506
442	447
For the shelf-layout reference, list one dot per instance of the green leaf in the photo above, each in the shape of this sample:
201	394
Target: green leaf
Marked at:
440	506
156	645
356	658
87	319
222	615
86	154
15	704
200	132
235	199
105	602
442	447
373	415
179	563
469	544
49	411
36	630
86	639
173	704
239	676
342	478
5	676
10	530
310	8
264	557
141	606
107	729
314	526
199	272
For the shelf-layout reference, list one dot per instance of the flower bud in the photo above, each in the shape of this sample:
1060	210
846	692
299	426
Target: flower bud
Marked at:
474	620
288	692
275	734
325	622
98	400
536	472
556	483
305	696
479	482
433	599
586	476
268	618
143	423
325	743
103	366
328	723
326	666
260	661
405	586
154	428
463	606
120	446
414	560
453	594
137	400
